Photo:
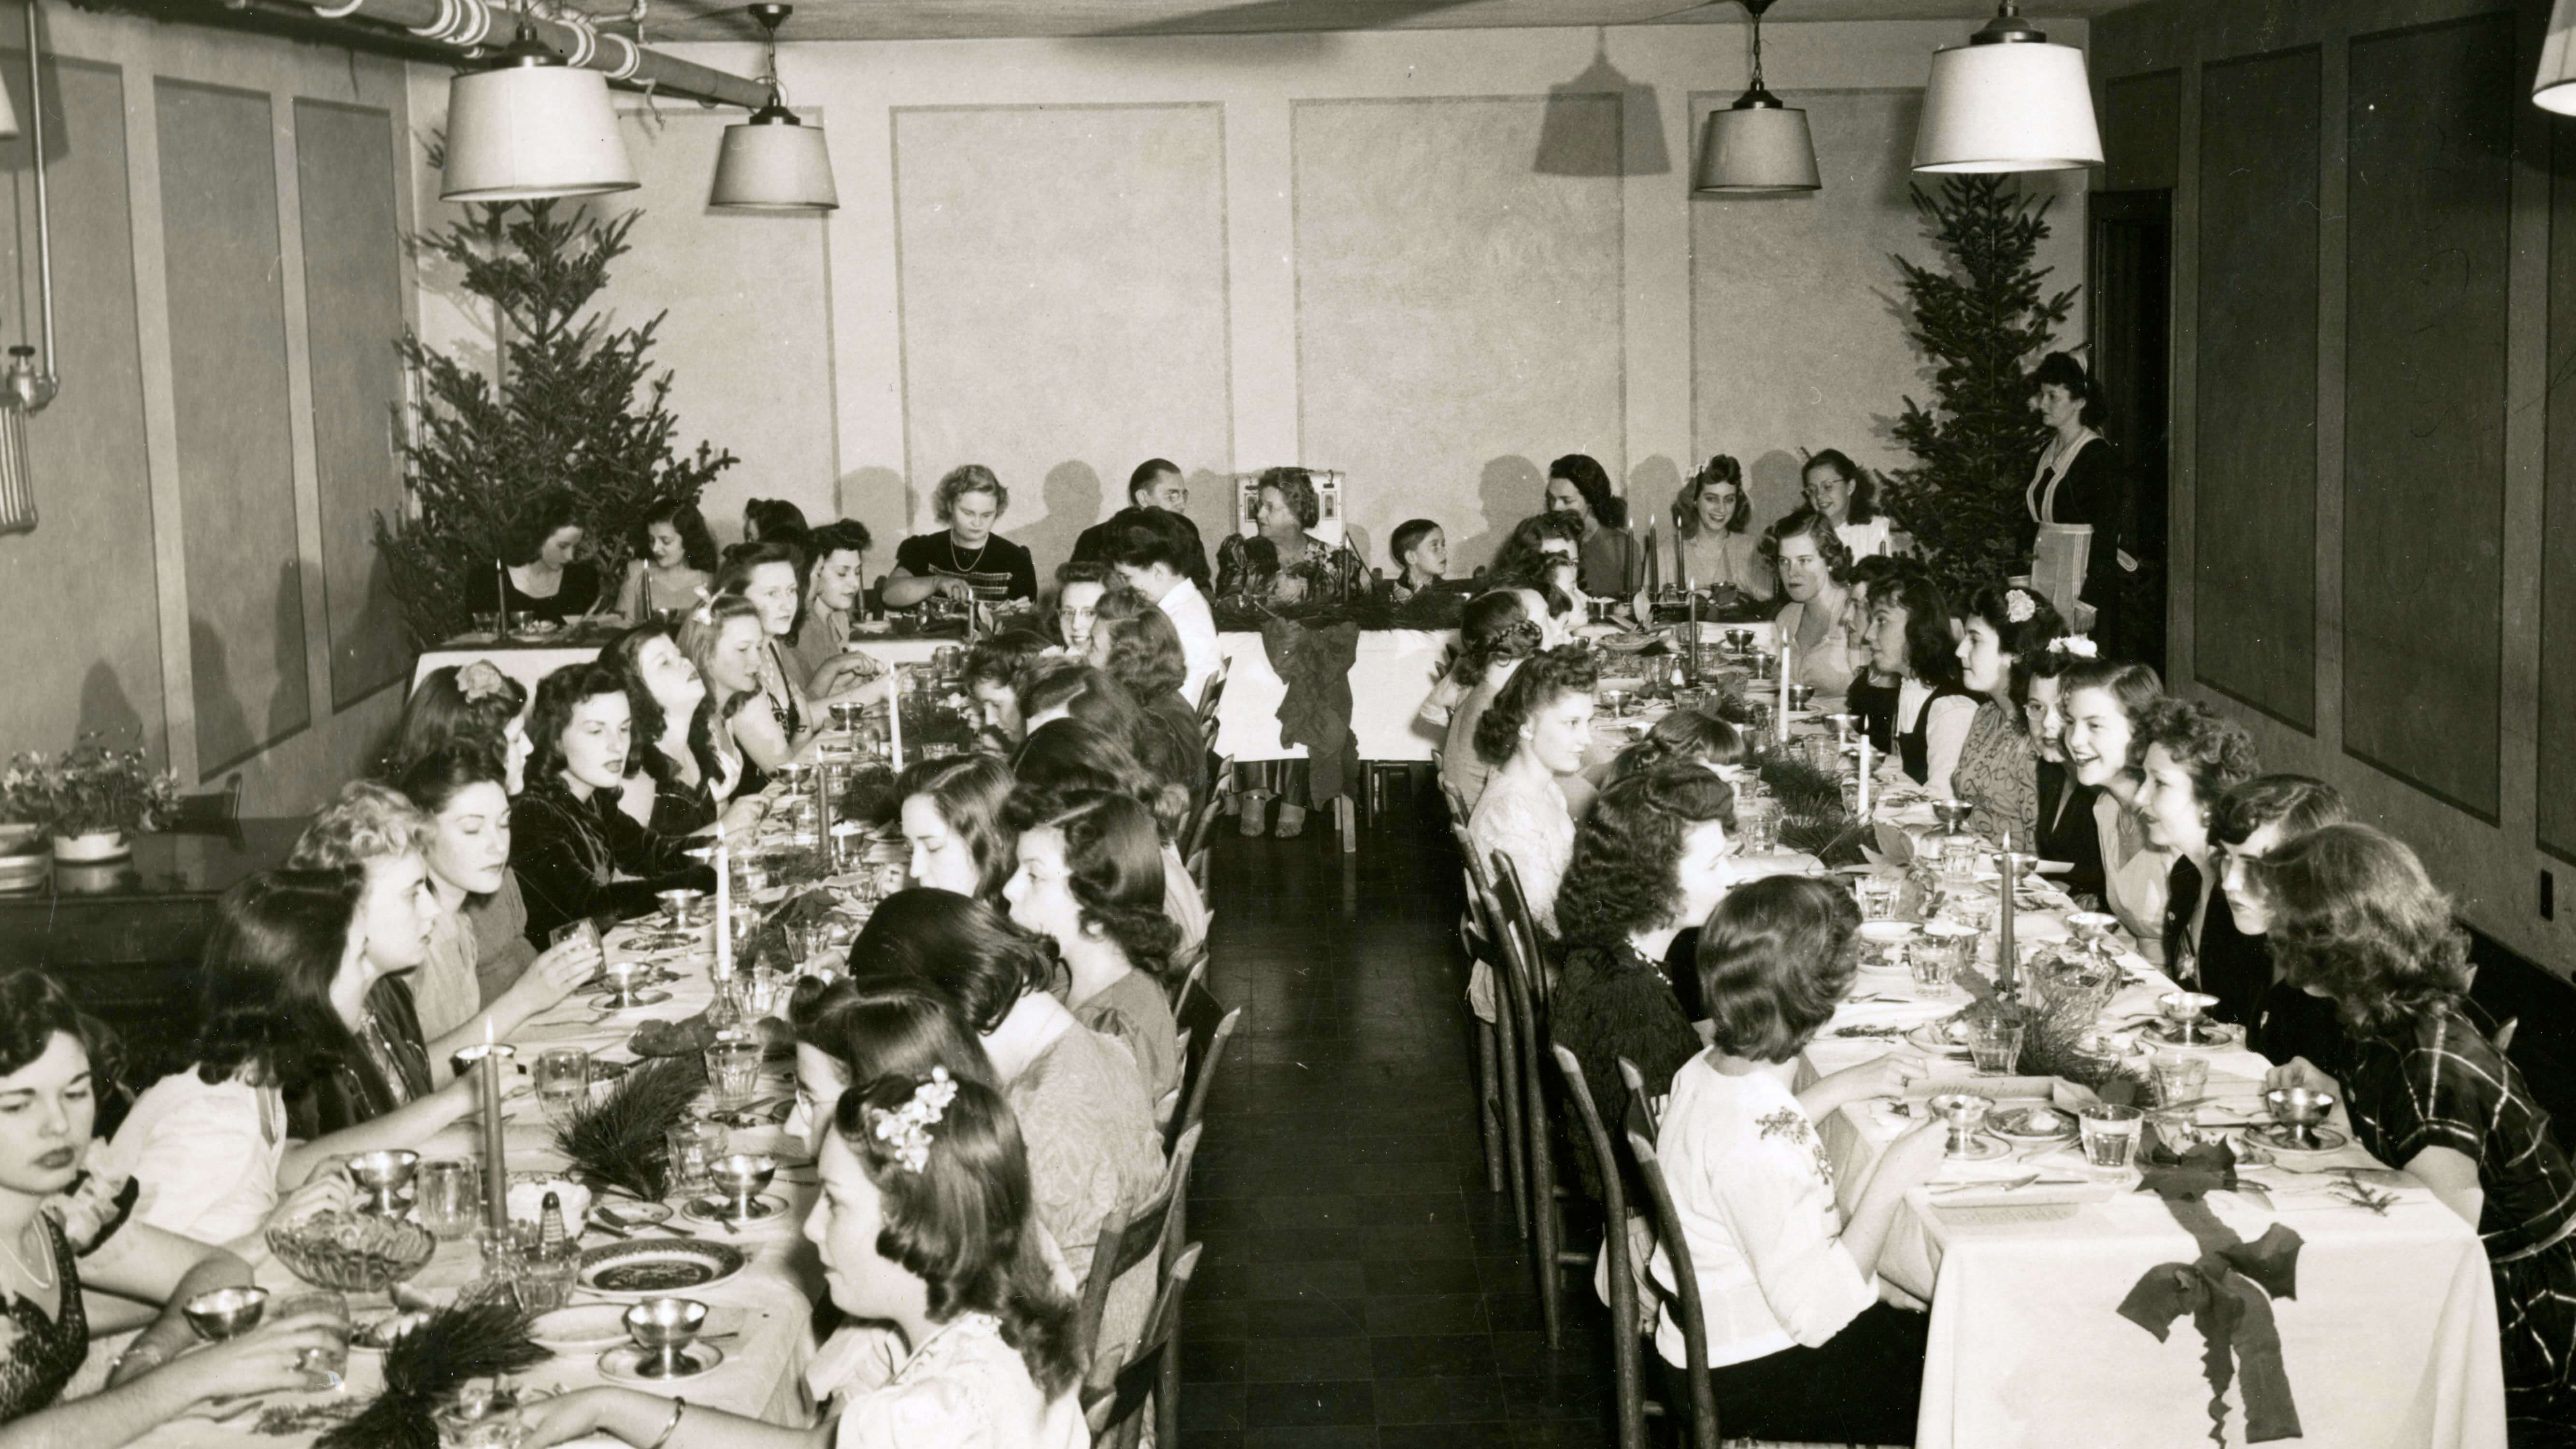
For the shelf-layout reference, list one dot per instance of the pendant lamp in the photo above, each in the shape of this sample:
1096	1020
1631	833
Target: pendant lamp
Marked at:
530	127
773	161
1756	147
2007	101
2554	89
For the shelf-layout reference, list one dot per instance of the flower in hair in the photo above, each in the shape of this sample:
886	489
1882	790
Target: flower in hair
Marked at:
906	1130
705	613
2074	646
2019	606
482	680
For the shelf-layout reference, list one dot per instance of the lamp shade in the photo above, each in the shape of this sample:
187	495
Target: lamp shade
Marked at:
774	162
2018	105
524	131
1753	149
2554	89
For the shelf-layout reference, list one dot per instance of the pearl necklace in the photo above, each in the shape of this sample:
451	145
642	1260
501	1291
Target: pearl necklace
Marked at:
39	1279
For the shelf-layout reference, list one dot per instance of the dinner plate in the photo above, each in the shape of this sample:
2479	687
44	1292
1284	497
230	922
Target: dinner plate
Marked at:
768	1207
2207	1036
649	1268
620	1365
610	1002
587	1326
2276	1139
2014	1125
631	1213
1937	1036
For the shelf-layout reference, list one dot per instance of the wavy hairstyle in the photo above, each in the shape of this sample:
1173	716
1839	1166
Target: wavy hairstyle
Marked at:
1592	481
1864	498
1069	754
1623	877
1520	563
1005	659
1931	650
2026	641
1145	652
2133	687
34	1009
550	513
558	695
650	719
697	545
700	630
1113	856
2296	803
972	794
441	712
773	520
1774	961
264	981
1496	627
1805	522
366	821
963	945
964	1223
1720	470
1297	486
439	777
962	480
1683	736
887	1026
2212	749
2355	916
1542	680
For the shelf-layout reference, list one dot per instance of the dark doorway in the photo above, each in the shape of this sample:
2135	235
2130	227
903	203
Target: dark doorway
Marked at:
2129	262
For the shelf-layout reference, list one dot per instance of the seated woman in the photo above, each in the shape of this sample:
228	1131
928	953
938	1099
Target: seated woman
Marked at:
1909	640
1815	575
955	817
1498	631
2104	704
1544	553
1420	552
1652	859
1078	588
1066	755
674	564
409	932
2250	824
1713	545
1613	561
1082	1104
479	705
1847	496
856	1029
289	1072
539	577
1297	567
768	713
1173	760
994	670
65	1234
1788	1274
774	520
2008	634
1141	648
2354	919
2064	829
1685	737
678	782
1091	880
575	853
967	559
819	657
1873	692
1535	735
2193	756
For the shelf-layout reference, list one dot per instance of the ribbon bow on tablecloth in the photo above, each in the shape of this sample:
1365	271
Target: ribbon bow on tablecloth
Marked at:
1314	661
2228	1291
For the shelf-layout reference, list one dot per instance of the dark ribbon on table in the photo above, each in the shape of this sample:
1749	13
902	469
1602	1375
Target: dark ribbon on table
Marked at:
1314	662
2228	1291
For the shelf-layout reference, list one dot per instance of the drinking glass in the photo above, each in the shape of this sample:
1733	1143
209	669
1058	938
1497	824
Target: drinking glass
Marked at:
1757	824
1995	1046
332	1360
448	1197
2110	1133
563	1082
733	1077
1934	964
694	1145
1878	896
2180	1077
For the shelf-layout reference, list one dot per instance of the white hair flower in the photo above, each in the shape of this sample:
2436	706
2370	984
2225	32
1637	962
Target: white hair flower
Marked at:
2019	606
906	1130
2074	646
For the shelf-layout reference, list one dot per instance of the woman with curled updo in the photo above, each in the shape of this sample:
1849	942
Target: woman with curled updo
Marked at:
1497	632
1613	562
1684	736
2007	640
674	563
1090	878
543	577
967	559
1064	755
577	855
2103	705
1909	640
678	781
1714	545
1283	563
955	824
1815	574
1534	735
2192	756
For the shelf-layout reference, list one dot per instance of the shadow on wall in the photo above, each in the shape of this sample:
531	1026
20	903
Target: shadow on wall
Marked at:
1072	495
1211	507
1572	140
1773	482
878	498
1652	484
106	712
223	731
1511	489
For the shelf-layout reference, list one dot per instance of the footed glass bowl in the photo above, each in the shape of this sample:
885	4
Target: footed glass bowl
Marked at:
352	1252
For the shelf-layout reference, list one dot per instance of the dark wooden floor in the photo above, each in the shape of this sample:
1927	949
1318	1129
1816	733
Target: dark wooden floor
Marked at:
1361	1286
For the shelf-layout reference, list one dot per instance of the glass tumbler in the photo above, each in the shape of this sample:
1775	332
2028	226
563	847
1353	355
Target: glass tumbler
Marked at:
694	1145
2110	1133
448	1197
1995	1046
332	1360
563	1082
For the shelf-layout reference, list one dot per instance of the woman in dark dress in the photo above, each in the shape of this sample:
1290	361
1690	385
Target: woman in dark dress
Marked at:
2250	823
1909	640
967	559
2078	481
2354	919
2066	830
1613	561
677	779
2192	756
541	579
569	841
63	1231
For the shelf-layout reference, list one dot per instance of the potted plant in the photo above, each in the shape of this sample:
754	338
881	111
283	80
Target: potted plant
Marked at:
91	799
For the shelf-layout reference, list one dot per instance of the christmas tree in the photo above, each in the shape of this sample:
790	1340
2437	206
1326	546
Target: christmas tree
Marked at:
1983	319
576	408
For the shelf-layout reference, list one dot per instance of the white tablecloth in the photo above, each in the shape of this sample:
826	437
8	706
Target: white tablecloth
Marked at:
1391	677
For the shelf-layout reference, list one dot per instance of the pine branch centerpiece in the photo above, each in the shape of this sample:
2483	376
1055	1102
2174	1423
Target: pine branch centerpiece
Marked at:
425	1367
618	1140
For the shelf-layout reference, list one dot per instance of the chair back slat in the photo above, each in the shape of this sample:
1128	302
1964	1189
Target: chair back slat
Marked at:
1635	1081
1521	929
1131	1235
1681	1299
1198	1066
1198	864
1114	1397
1624	1362
1211	695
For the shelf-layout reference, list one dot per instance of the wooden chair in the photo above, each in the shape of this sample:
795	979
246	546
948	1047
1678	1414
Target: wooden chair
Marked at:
1210	697
1198	864
1479	947
1682	1300
1524	925
1193	976
1635	1081
1525	1026
1205	824
1114	1400
1503	1089
1209	1032
1627	1371
1129	1236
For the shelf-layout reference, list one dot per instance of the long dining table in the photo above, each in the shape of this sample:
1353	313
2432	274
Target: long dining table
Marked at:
2387	1336
765	1310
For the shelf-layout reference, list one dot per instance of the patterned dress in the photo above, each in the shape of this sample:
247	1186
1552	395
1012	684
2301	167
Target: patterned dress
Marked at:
43	1345
2437	1081
1999	774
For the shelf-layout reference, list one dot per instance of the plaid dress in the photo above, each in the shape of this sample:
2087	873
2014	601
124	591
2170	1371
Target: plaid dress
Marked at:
2438	1082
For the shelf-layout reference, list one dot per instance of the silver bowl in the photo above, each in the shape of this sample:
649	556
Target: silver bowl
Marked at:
664	1328
2301	1109
1963	1113
679	907
225	1312
386	1176
743	1175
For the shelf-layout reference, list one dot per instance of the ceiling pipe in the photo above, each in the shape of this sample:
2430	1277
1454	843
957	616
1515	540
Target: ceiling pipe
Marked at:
469	23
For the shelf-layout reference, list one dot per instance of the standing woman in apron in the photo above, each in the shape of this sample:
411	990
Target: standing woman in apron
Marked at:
2078	481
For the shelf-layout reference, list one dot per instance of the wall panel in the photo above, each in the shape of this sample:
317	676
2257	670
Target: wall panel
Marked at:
83	581
2429	171
353	279
2254	568
2556	726
1459	318
236	456
2142	131
1064	268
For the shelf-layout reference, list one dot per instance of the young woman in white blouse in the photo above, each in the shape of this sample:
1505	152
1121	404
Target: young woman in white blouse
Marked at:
1801	1345
2102	702
1534	736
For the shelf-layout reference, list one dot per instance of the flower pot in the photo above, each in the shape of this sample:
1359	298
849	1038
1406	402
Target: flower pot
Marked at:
17	837
96	845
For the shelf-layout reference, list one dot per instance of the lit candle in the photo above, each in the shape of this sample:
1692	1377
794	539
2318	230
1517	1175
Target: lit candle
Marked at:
1786	662
496	1167
2006	959
1864	774
1654	565
501	594
894	713
724	905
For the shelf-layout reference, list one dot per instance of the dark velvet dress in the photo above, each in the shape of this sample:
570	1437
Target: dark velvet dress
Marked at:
2233	966
567	854
2068	832
1611	1002
1876	705
47	1343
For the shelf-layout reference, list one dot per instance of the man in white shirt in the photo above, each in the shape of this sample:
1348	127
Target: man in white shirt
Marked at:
1152	553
